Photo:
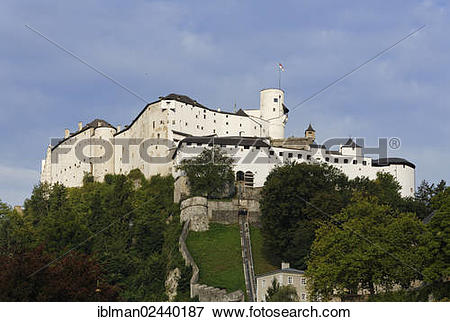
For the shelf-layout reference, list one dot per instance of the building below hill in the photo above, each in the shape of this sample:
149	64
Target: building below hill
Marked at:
176	127
285	276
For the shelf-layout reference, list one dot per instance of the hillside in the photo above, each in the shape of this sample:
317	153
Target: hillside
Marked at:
217	253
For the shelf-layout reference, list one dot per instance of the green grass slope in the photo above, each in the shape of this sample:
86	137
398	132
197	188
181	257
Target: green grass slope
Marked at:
217	253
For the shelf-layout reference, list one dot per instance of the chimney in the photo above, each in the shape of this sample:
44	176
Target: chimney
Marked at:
118	128
66	133
284	265
80	126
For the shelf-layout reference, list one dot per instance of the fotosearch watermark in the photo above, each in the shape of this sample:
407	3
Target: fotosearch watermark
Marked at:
243	150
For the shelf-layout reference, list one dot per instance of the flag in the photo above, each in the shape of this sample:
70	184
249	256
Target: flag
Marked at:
281	67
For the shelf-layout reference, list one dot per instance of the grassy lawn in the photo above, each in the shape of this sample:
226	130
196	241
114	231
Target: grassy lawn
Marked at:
260	263
217	253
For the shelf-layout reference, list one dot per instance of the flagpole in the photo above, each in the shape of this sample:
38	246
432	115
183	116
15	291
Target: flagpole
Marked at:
279	78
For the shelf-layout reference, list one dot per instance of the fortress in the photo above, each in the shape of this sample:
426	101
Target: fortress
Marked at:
176	127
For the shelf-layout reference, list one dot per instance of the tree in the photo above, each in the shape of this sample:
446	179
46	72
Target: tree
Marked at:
277	293
294	199
438	271
367	248
4	209
77	277
210	173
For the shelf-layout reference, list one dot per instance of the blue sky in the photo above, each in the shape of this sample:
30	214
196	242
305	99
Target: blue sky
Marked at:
221	52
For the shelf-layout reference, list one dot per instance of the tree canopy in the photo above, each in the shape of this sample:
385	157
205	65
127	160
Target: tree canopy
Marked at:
126	227
210	173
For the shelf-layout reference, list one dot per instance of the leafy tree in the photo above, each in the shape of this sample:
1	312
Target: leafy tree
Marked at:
210	173
4	209
277	293
293	199
77	277
438	270
367	247
127	225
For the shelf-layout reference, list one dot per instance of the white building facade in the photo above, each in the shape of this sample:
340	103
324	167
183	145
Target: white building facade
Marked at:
285	276
176	127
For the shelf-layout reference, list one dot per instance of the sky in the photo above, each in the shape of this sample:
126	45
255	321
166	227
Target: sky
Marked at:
221	53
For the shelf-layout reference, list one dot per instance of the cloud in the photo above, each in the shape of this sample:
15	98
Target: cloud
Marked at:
16	183
220	54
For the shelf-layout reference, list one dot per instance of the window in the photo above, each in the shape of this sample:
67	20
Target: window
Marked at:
173	122
263	283
240	177
275	100
299	156
246	147
290	155
248	179
327	159
204	116
274	109
271	152
303	281
355	162
186	123
161	122
153	124
280	154
336	160
303	297
308	157
364	162
345	160
226	123
290	280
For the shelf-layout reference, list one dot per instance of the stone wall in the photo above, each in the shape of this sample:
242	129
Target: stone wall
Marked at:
195	210
181	189
226	212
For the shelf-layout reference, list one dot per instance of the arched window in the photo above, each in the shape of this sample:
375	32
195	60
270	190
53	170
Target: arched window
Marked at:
248	178
239	176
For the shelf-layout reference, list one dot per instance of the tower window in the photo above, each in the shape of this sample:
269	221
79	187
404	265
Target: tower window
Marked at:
275	100
364	162
274	109
355	162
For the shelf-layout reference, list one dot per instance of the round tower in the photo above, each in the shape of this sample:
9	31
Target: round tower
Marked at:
274	111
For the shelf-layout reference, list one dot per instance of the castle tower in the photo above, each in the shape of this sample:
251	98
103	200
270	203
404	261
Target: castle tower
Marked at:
274	111
310	133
